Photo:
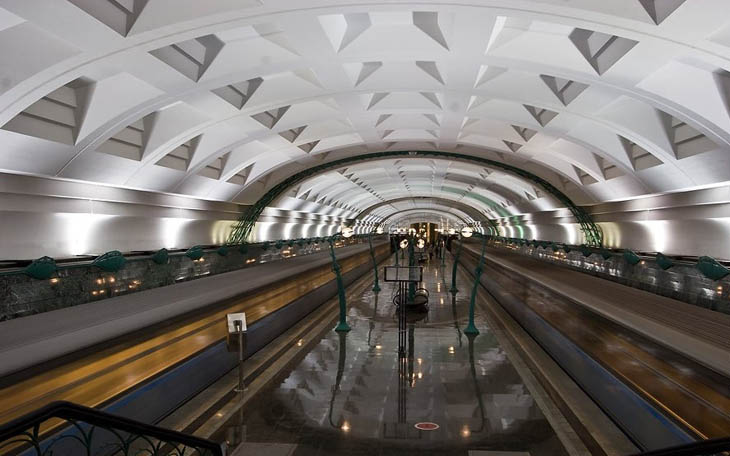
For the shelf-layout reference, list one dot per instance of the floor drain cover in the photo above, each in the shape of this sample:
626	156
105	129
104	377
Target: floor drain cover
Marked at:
426	426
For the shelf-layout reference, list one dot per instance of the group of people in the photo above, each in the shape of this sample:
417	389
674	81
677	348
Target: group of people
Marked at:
431	249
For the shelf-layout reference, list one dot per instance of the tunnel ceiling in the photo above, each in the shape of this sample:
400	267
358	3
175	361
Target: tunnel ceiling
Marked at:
358	187
222	100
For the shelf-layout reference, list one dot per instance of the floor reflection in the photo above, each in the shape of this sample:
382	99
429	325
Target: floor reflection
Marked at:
355	394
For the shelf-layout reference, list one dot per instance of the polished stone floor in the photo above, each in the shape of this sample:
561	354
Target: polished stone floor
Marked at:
352	394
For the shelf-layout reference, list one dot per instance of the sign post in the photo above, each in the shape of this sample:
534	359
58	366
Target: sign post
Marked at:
404	275
237	328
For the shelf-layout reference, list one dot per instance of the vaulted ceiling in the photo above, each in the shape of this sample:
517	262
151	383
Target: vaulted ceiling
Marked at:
222	100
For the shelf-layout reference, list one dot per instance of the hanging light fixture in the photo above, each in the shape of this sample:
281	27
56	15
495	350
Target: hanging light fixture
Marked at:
467	232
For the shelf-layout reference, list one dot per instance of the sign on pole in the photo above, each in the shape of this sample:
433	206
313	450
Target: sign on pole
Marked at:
232	318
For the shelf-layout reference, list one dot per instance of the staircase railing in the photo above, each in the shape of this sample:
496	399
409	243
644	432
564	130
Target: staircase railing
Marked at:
62	428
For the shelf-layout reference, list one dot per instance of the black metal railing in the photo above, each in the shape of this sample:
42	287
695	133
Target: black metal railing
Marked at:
703	281
712	447
29	288
79	430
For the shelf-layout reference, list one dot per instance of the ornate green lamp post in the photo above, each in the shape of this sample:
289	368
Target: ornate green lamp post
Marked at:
346	232
379	230
471	328
466	232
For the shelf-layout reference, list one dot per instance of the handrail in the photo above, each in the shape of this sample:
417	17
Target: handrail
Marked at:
702	448
686	260
19	267
74	412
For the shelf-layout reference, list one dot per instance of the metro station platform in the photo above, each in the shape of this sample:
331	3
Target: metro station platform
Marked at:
556	369
348	393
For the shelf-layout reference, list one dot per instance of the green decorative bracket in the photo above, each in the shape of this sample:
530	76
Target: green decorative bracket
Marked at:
711	269
243	228
194	253
266	245
586	251
290	243
664	261
631	257
566	248
111	261
279	244
222	251
42	268
606	254
243	249
161	256
300	243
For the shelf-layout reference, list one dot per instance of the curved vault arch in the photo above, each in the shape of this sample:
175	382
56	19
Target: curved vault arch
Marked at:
425	215
381	180
471	214
394	217
527	79
648	115
242	229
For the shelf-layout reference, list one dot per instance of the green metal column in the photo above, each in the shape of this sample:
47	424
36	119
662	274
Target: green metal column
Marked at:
456	263
342	326
376	287
471	328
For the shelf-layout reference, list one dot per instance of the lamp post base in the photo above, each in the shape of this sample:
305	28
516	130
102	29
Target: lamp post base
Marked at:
454	290
471	329
342	327
376	288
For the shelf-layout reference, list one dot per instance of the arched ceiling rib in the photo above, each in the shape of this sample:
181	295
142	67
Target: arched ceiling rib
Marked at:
222	100
386	208
403	219
433	208
435	211
378	182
